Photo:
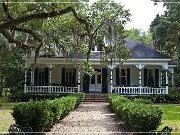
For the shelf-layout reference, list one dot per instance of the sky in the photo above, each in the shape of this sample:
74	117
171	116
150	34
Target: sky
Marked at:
143	12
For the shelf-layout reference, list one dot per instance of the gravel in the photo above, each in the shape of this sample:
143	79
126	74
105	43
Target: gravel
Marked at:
90	118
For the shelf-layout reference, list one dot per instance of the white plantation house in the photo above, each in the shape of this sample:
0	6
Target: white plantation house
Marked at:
146	72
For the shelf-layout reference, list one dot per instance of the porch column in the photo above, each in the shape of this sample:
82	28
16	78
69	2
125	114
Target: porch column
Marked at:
79	80
140	66
25	77
31	76
172	78
111	79
166	68
161	77
50	74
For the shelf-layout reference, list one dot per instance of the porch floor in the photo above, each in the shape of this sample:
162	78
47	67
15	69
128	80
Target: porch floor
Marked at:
91	118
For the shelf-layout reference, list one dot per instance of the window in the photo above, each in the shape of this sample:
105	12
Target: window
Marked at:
70	77
123	77
95	49
150	77
41	76
96	78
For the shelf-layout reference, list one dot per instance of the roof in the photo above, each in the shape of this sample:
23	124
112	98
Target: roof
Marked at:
138	51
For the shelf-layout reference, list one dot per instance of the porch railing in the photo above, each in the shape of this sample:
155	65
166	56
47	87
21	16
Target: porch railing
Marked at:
138	90
50	89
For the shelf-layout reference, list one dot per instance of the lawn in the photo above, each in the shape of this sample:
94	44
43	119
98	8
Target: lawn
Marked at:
6	118
171	116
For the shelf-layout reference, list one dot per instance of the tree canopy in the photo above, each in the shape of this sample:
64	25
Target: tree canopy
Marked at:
67	27
166	30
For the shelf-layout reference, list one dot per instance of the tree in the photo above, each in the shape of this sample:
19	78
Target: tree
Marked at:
12	69
166	30
166	33
137	35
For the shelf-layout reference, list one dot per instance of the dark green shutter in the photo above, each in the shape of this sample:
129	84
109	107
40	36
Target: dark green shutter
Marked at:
128	77
86	80
74	78
36	77
63	77
46	76
145	77
117	76
104	80
157	77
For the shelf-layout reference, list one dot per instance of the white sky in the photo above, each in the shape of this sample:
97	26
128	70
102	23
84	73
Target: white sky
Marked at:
143	12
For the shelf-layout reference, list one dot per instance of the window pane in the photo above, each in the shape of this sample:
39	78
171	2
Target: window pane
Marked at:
123	73
93	79
98	79
97	70
123	81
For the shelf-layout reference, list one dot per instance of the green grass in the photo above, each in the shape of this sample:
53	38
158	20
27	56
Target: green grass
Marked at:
171	116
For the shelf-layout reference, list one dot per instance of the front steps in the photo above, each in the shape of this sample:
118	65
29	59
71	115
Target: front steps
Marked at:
95	97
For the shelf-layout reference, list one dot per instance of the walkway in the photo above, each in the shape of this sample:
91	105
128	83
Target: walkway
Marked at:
90	118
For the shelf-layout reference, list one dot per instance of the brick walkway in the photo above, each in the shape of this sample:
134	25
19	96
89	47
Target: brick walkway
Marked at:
90	118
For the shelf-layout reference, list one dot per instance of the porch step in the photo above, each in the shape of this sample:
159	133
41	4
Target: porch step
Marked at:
96	97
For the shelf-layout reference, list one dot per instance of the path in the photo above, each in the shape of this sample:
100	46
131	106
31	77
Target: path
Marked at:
90	118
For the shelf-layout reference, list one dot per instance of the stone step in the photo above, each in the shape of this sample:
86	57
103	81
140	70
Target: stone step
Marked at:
95	98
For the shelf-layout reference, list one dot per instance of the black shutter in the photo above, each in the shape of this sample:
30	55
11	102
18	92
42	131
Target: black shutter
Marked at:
145	77
63	77
86	79
46	76
36	77
157	77
128	77
117	76
74	78
104	80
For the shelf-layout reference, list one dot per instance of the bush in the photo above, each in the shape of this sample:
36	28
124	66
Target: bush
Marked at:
141	100
137	115
41	115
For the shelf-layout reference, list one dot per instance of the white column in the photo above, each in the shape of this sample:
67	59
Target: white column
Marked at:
166	81
50	74
31	76
140	67
172	77
161	77
111	80
25	77
79	80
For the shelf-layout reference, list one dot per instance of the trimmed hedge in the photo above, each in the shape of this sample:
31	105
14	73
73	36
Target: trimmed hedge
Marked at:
41	115
170	98
138	116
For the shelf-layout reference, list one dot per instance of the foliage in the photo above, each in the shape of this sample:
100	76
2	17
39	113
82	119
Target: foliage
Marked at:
66	28
138	116
41	115
12	68
165	30
145	38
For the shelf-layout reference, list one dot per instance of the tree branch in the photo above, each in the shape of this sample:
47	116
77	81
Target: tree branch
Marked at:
10	23
6	11
12	40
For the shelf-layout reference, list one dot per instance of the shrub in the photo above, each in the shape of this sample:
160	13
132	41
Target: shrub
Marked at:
142	100
41	115
136	114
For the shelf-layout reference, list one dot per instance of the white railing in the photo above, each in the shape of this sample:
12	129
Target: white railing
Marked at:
51	89
138	90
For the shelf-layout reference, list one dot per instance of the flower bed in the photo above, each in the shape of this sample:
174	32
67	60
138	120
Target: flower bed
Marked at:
41	115
138	116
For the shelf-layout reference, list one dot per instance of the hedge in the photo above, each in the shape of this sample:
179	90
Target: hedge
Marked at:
138	116
41	115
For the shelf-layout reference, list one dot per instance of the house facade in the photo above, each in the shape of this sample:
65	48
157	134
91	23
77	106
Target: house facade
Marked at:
146	72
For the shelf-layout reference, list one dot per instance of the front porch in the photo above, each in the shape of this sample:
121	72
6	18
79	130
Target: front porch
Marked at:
128	79
118	90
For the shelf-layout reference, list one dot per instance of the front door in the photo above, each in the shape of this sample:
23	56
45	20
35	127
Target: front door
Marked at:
96	81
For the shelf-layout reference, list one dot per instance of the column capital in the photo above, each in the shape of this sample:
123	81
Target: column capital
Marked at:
165	66
140	66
